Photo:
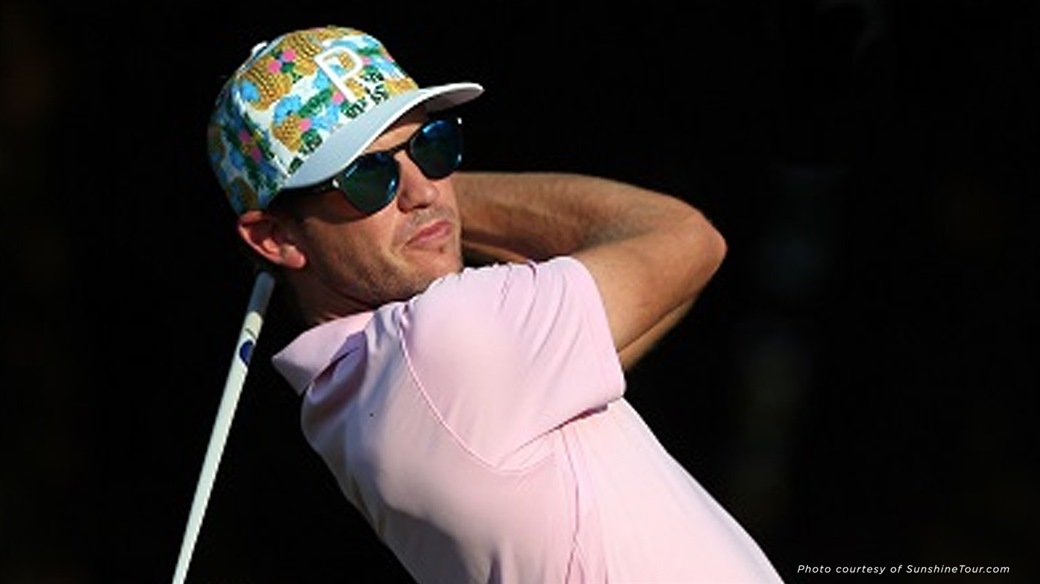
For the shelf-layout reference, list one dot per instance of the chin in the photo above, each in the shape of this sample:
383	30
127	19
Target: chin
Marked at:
442	261
434	268
448	266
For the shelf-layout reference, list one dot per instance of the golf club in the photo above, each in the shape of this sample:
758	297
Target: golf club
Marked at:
254	318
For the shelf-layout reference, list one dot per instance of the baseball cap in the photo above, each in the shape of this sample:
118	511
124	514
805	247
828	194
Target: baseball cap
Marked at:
305	105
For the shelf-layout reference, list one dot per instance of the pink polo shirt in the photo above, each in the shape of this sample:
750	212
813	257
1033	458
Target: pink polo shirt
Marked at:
481	429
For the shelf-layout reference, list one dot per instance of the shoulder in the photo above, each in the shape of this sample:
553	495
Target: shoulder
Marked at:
479	309
500	280
501	291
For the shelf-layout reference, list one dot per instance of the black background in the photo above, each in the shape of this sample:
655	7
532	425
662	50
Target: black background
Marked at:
855	385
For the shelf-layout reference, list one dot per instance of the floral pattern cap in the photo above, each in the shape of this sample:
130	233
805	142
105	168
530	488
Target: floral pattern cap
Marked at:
304	106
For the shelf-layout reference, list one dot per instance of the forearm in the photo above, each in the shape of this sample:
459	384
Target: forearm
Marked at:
634	351
514	216
542	215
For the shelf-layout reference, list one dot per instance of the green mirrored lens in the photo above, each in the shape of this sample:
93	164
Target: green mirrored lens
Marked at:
437	148
370	182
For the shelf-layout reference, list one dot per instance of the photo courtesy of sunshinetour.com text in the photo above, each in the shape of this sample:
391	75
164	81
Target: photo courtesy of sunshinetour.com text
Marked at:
902	569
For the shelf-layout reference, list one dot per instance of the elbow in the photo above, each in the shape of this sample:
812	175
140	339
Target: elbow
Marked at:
706	248
709	243
718	246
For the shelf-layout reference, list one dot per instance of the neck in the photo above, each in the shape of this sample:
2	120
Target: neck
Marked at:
319	304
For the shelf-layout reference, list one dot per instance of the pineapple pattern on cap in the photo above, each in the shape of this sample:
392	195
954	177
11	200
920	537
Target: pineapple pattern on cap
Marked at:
286	100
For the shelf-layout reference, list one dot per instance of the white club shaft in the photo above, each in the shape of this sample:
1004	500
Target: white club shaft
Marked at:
236	378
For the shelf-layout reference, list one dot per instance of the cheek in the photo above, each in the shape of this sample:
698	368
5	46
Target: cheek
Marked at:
365	246
359	248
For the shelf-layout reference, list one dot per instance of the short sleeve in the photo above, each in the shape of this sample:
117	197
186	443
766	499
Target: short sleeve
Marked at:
505	354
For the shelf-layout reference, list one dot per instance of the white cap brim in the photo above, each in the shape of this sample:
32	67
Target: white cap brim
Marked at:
343	146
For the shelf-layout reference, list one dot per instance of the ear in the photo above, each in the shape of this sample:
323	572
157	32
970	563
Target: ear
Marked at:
272	238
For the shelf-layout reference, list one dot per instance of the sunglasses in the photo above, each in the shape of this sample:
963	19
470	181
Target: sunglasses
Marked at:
370	182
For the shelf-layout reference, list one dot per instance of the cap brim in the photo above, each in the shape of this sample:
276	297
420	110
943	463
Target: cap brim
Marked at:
342	147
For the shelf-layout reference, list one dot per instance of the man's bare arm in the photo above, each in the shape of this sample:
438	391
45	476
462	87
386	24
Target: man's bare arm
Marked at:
650	254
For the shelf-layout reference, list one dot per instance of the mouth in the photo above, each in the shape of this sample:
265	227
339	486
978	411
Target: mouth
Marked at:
432	236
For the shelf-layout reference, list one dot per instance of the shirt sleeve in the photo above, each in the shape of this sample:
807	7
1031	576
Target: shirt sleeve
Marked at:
505	354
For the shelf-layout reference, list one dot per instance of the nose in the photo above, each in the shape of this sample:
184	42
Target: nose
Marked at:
414	190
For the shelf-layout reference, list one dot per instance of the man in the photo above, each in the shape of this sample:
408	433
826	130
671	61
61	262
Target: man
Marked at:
474	415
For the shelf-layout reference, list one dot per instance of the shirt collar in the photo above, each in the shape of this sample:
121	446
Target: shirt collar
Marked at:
303	360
